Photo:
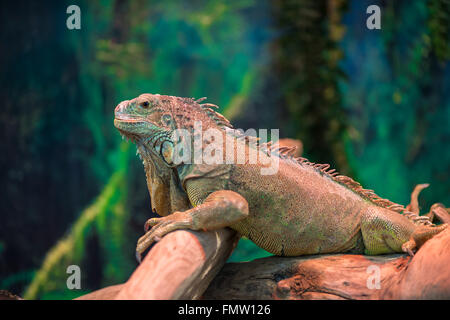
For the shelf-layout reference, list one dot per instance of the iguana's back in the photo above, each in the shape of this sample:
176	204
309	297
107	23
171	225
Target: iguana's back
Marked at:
297	211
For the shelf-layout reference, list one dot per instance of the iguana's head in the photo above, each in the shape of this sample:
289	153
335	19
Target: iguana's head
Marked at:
149	121
147	117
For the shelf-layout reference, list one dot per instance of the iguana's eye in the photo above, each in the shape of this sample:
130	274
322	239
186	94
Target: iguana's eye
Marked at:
145	104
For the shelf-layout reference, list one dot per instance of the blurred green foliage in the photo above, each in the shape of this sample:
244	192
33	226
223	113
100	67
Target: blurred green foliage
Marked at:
374	103
397	104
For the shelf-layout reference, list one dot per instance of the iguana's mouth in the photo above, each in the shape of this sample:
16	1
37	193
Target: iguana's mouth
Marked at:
124	119
129	127
126	128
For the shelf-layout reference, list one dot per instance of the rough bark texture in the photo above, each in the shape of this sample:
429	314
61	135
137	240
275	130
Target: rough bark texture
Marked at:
107	293
438	210
340	276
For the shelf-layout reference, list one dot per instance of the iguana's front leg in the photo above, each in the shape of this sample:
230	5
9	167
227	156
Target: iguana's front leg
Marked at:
220	209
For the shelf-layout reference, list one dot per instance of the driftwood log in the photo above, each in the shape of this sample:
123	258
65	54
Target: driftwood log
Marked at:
180	266
185	272
341	276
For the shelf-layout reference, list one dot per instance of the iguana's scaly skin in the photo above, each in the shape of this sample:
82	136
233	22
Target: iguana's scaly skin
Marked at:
302	209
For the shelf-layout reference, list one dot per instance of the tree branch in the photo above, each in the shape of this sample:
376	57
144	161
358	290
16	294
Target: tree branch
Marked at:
180	266
340	276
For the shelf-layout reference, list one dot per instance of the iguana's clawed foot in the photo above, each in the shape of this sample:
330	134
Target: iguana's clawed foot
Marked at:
420	236
159	228
408	247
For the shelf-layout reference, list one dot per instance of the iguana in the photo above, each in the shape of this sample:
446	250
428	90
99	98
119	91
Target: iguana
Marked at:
303	208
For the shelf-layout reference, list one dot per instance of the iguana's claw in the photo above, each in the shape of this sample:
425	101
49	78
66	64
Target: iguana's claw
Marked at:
409	251
408	247
138	257
159	228
154	221
147	225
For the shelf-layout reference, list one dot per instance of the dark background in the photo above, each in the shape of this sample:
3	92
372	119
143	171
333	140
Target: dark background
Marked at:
375	104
